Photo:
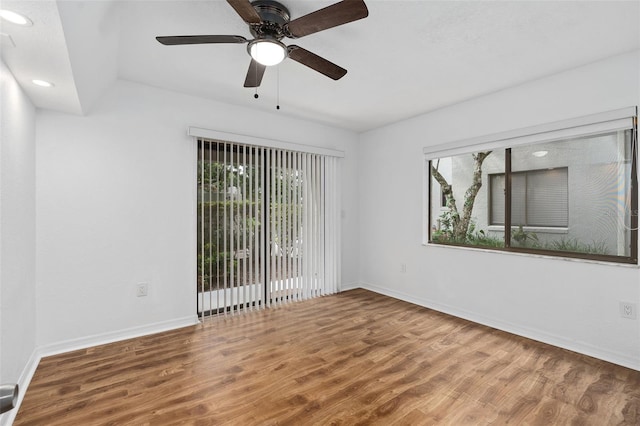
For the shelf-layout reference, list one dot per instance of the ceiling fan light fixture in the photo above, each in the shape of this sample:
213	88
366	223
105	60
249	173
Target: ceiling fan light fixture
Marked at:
267	51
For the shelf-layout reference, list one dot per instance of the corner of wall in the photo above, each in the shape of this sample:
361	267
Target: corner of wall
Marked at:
17	230
7	418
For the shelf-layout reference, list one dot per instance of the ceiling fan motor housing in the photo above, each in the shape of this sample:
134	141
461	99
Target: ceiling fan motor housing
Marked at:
274	16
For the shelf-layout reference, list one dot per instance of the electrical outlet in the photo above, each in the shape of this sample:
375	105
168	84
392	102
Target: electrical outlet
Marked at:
628	310
403	268
142	289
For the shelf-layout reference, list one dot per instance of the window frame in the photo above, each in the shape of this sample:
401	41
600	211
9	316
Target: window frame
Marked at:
557	131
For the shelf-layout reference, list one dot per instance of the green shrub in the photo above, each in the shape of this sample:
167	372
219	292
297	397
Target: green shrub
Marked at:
573	245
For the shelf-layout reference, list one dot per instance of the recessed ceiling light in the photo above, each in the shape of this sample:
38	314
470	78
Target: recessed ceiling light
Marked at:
540	153
15	18
42	83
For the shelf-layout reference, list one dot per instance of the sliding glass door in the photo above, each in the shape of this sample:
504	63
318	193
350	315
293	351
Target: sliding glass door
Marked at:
267	226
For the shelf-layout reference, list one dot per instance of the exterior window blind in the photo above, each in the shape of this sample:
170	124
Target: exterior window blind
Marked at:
268	230
546	198
497	196
538	198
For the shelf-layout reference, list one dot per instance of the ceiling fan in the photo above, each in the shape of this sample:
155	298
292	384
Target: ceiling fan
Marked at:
269	22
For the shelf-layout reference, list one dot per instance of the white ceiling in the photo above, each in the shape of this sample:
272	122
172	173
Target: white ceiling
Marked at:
406	58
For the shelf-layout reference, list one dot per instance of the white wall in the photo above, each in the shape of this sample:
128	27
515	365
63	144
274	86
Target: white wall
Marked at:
115	206
17	228
568	303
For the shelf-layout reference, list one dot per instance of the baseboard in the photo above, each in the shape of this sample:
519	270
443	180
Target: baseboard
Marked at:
551	339
104	338
7	418
349	286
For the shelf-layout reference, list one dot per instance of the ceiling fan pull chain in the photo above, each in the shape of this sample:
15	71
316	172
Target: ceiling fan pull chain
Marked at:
278	87
256	71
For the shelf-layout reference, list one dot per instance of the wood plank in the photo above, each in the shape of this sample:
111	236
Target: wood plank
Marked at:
353	358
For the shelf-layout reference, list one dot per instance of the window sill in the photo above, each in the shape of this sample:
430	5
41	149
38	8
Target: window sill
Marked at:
530	255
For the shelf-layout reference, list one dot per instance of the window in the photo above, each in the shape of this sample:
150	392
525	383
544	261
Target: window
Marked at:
540	198
564	189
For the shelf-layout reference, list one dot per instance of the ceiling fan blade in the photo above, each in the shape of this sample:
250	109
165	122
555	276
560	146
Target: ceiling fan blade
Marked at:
246	11
200	39
316	62
331	16
254	74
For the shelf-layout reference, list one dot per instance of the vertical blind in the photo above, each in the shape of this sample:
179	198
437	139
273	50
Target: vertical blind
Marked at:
268	226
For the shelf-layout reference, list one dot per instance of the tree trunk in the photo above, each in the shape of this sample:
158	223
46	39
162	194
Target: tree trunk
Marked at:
460	222
470	196
447	190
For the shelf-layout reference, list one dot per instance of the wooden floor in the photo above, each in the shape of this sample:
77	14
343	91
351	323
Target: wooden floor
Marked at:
354	358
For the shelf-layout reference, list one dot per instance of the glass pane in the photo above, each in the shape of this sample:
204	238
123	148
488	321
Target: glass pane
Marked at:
577	195
464	181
